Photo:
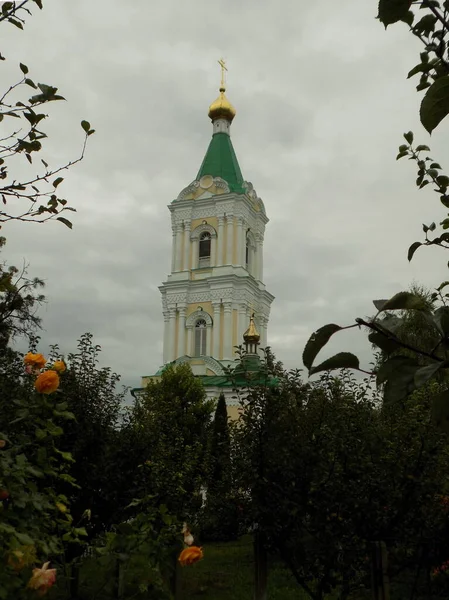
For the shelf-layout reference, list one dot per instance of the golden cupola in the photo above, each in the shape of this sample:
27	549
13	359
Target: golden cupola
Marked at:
251	334
221	108
251	337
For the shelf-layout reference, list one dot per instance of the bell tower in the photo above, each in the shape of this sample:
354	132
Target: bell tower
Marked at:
216	279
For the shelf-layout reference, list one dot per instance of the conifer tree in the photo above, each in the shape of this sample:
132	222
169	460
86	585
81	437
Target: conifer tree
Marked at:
220	449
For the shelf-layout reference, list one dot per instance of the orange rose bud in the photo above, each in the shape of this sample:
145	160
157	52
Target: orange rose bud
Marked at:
2	443
42	579
35	360
47	382
4	495
190	555
59	366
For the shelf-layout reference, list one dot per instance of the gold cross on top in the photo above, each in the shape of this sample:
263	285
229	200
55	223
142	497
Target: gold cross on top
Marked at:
222	64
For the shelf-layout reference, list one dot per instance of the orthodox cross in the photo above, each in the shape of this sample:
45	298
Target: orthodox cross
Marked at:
222	64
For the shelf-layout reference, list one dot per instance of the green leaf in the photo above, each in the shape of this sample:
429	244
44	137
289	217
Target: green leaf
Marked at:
435	104
57	181
405	300
379	303
392	11
443	180
85	125
440	411
442	286
413	248
15	22
24	538
401	155
65	455
409	137
393	365
342	360
23	68
65	221
441	318
386	344
398	373
317	340
422	148
423	374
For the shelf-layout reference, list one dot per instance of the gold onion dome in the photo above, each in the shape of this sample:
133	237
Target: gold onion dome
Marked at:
221	108
251	334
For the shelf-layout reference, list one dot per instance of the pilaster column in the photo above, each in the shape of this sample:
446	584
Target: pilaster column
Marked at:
171	334
209	340
216	329
213	251
240	241
227	333
190	341
260	258
195	249
242	324
220	241
173	249
229	240
166	333
182	332
263	333
178	257
186	253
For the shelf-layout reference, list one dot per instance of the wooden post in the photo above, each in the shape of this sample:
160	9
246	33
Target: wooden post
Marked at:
380	583
260	567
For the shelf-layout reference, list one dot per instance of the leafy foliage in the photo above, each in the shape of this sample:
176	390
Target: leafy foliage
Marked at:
219	519
18	302
173	420
92	437
327	469
429	22
35	518
34	197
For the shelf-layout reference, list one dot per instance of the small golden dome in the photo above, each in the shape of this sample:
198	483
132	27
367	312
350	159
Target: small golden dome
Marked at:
251	334
221	108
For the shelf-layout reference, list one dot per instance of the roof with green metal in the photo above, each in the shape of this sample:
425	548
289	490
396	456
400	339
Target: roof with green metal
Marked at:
221	161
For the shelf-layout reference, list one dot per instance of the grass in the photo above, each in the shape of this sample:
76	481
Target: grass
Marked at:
227	572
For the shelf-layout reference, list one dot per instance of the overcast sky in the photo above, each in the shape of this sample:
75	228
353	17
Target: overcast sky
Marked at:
322	101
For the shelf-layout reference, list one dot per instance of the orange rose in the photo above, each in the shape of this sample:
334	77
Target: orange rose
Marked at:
22	557
42	579
35	360
59	366
47	382
190	555
2	443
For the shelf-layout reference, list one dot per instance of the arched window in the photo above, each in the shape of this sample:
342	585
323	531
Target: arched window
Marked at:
200	337
204	249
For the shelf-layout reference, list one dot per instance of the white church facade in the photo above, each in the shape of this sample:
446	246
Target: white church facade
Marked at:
216	279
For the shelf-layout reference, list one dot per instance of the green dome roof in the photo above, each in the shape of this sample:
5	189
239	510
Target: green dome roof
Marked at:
221	161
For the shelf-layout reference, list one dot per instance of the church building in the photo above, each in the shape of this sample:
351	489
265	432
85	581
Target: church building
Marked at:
215	293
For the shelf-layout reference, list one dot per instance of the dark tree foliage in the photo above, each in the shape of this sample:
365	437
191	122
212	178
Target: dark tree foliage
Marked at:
93	436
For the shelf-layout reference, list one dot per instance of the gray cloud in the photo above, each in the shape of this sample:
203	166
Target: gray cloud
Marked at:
322	100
